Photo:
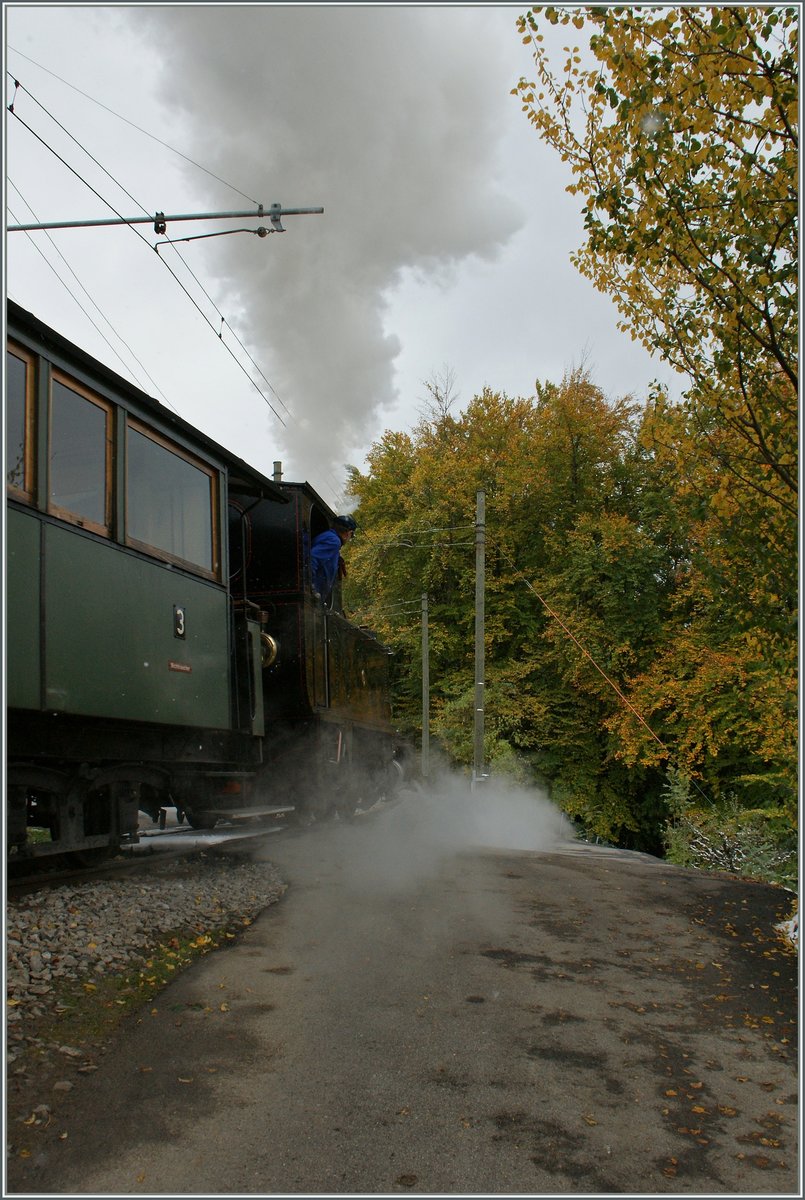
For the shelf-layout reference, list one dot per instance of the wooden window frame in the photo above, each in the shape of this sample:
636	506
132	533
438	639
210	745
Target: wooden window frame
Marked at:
213	475
66	514
27	492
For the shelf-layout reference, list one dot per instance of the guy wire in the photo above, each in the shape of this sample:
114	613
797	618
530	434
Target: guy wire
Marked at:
599	669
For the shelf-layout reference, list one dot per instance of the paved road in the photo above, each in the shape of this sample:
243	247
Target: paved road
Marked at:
425	1019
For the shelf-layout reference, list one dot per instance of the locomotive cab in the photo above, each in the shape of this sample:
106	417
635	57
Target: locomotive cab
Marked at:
325	690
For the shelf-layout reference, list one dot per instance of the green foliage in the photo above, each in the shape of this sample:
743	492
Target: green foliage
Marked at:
728	835
759	843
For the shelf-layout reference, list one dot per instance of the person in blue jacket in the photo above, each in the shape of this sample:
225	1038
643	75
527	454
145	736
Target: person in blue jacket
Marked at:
325	555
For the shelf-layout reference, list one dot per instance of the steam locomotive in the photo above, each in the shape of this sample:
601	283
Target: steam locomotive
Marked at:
165	646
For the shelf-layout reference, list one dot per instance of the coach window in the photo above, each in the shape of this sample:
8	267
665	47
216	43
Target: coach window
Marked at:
19	423
80	456
171	501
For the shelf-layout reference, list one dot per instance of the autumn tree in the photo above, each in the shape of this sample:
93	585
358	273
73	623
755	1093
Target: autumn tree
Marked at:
567	490
679	126
721	685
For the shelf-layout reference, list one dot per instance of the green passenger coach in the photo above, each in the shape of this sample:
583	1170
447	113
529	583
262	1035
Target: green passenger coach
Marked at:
141	671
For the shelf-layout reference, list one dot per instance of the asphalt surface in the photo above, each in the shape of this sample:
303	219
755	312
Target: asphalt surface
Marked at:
414	1018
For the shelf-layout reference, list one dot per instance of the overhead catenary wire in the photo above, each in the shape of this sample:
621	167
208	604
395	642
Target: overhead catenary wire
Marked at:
165	264
399	606
393	612
108	203
120	117
97	308
224	321
440	529
92	322
408	545
404	540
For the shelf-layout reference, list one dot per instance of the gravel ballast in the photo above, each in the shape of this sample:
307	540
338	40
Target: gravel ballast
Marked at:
88	931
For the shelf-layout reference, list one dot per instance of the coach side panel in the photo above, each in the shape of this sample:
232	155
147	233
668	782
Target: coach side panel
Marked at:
23	610
117	599
130	639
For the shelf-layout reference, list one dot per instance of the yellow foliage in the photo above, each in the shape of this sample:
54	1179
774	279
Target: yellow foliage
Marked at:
683	147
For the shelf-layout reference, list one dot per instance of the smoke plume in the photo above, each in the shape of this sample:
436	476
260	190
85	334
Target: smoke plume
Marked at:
387	117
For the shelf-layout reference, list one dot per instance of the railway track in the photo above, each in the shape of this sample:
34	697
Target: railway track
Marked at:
158	844
164	840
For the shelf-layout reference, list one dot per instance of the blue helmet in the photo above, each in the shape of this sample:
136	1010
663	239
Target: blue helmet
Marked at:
345	522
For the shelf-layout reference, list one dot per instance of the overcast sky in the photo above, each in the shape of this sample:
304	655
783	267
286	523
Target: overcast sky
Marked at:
444	243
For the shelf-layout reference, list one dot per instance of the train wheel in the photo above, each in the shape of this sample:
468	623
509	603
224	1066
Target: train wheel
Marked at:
200	820
346	799
389	781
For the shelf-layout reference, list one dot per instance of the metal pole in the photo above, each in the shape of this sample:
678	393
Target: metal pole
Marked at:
480	546
425	689
274	213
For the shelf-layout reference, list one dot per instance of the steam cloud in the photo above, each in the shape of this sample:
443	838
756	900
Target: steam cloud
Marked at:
385	116
413	840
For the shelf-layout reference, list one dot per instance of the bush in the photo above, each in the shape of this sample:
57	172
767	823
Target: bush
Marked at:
757	843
